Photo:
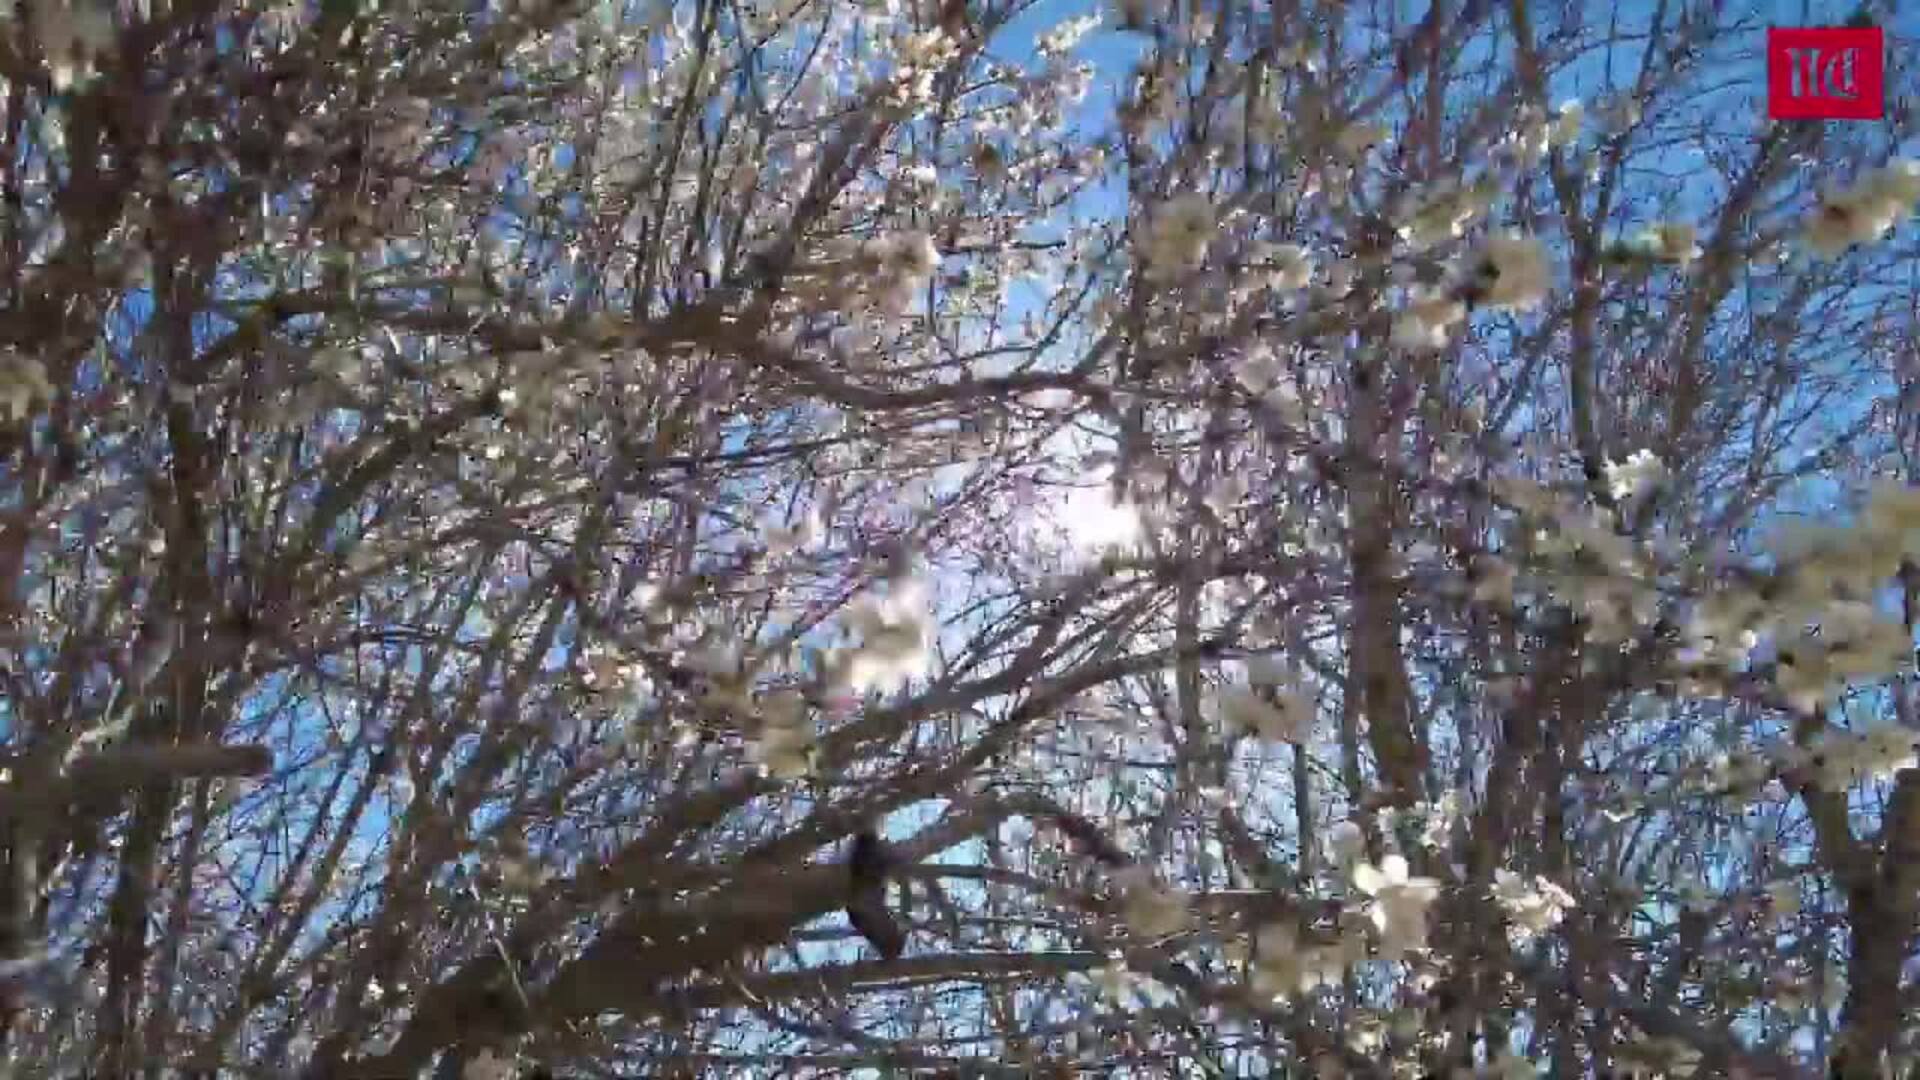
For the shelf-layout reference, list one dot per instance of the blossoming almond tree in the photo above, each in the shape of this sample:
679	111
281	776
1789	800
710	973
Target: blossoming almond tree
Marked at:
725	537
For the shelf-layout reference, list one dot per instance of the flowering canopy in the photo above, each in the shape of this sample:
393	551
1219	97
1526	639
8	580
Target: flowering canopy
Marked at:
748	537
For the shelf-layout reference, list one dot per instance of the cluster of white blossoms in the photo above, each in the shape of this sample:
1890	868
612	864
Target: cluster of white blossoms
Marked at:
1613	607
894	268
1737	773
1280	267
1826	578
1638	476
1283	966
1539	132
895	634
1269	706
1666	242
1792	992
1852	643
1532	905
783	743
1178	233
1507	270
1427	321
1511	271
1150	909
1836	760
1445	214
1062	39
920	58
1093	519
1285	717
506	864
23	381
1400	903
784	540
608	675
1864	212
1584	562
72	33
1617	112
725	684
1564	126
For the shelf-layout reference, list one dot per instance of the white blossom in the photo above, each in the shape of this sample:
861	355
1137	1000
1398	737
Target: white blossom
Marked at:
1437	819
928	48
724	683
1511	271
909	254
783	751
519	874
1286	717
1400	903
1062	38
1093	519
1668	241
895	633
1635	477
1443	215
784	540
1528	142
1887	749
1424	324
23	381
1275	971
1178	234
896	267
1891	523
1115	981
1864	212
920	58
1283	966
1564	128
1534	905
1287	266
1300	54
72	33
